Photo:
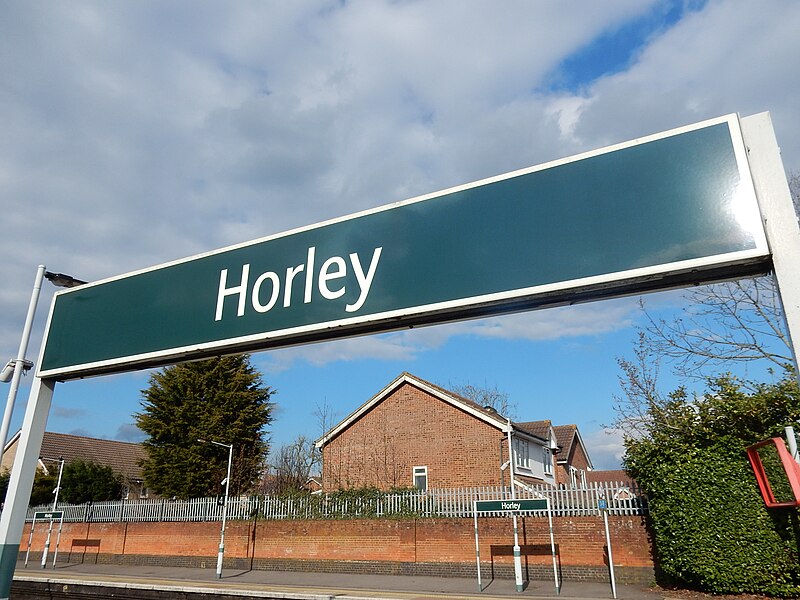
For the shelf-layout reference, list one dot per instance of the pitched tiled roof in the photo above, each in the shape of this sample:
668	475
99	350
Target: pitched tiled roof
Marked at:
610	476
123	457
540	429
565	437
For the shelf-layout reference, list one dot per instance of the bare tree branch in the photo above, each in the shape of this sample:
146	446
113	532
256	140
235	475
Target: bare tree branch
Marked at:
724	324
731	322
641	403
292	465
486	396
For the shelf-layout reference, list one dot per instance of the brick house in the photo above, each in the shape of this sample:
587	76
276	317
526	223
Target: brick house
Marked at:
573	464
571	457
415	433
122	457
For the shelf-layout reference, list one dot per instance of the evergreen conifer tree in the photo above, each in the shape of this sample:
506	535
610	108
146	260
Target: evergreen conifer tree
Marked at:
220	399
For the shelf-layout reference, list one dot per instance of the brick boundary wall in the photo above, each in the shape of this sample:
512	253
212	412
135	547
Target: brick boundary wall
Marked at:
441	547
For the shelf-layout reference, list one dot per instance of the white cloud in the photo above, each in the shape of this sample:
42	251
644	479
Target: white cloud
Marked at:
732	56
562	322
129	432
606	448
140	133
408	345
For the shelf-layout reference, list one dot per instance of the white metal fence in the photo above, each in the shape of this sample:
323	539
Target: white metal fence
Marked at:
564	501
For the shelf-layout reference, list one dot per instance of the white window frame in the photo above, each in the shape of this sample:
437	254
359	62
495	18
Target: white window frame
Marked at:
419	471
547	459
522	453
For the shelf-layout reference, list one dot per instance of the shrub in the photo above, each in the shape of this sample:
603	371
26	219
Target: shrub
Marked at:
712	531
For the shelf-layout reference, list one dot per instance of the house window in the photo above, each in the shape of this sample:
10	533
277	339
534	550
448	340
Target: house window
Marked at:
547	458
143	493
421	478
573	476
522	453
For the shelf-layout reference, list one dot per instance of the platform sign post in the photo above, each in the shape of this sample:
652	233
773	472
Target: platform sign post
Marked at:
514	507
780	220
602	505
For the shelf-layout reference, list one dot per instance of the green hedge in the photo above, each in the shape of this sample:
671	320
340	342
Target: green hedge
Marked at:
712	531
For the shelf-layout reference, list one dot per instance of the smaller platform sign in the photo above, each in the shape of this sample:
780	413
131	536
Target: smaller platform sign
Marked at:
510	505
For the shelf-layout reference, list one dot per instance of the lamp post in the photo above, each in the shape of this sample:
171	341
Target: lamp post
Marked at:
15	367
517	550
55	504
227	483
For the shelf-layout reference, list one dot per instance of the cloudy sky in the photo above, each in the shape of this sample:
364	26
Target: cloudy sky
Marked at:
135	133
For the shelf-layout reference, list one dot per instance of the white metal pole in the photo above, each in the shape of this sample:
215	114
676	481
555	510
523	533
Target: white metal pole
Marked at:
517	556
610	555
224	512
791	440
12	519
55	504
477	544
553	545
20	361
30	541
780	219
58	538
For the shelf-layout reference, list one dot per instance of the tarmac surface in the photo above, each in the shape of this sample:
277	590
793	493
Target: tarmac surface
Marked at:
315	586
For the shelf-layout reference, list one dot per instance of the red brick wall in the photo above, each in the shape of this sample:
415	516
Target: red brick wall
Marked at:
577	458
320	544
412	428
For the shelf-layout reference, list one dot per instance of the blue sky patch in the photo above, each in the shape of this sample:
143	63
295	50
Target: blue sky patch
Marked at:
615	50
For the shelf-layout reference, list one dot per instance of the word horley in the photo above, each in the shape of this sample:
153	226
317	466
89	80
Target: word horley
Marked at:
266	288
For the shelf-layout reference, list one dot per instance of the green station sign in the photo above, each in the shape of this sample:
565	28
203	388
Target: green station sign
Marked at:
673	209
510	505
51	515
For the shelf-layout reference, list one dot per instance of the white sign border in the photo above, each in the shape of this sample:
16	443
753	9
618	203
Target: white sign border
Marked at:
269	338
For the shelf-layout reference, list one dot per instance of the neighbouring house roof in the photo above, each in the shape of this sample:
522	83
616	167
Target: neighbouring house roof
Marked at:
610	476
488	415
540	429
122	457
566	438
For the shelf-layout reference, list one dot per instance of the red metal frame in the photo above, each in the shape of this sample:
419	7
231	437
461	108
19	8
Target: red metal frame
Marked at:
789	465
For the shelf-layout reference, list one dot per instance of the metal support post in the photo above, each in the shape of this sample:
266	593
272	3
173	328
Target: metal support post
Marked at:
517	553
791	441
780	219
610	555
55	505
227	482
224	513
19	363
58	538
12	520
477	544
553	545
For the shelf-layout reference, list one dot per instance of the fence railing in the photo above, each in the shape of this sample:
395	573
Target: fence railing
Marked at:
619	500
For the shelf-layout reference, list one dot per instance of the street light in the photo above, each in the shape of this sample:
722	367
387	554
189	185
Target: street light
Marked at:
16	367
517	554
227	482
55	505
